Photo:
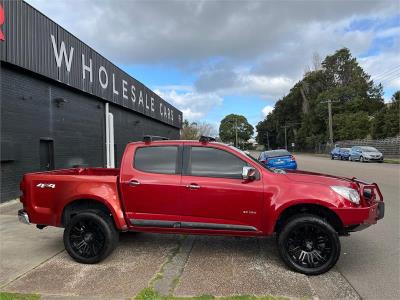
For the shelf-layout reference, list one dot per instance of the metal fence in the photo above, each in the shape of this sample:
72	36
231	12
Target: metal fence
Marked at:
389	146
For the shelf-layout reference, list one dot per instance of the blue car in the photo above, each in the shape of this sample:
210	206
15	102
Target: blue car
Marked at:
344	153
335	152
280	159
340	153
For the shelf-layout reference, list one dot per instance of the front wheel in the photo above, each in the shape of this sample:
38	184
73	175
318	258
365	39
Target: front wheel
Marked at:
309	245
90	236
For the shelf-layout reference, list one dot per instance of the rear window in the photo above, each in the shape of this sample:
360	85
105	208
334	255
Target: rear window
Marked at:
160	159
276	153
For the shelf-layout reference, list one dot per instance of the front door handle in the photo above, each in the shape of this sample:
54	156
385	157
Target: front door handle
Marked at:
133	183
193	186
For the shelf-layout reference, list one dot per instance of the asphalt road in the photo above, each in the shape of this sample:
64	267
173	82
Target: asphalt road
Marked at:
370	259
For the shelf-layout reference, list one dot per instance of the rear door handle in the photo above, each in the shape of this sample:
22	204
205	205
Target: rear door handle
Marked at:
133	183
193	186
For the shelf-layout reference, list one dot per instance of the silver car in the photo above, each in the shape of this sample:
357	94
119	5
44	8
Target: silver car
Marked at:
365	153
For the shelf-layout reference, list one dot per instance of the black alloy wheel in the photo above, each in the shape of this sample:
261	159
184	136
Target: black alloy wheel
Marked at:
90	237
309	245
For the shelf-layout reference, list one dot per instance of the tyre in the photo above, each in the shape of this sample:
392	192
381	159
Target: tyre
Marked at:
332	157
309	245
90	236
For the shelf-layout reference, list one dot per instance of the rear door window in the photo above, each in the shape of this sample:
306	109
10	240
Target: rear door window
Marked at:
157	159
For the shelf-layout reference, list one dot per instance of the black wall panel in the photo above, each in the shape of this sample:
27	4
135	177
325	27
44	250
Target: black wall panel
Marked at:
30	112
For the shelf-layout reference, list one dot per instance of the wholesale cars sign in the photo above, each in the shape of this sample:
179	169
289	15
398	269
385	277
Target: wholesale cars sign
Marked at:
36	43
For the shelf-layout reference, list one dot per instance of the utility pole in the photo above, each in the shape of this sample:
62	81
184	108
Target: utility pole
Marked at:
330	119
286	127
330	122
236	134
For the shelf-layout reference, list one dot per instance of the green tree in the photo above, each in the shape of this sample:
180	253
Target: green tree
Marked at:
232	123
341	80
350	126
386	123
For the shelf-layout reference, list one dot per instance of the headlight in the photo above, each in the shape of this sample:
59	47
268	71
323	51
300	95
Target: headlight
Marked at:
348	193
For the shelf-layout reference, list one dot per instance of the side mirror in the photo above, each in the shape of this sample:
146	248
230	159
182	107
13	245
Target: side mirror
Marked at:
248	173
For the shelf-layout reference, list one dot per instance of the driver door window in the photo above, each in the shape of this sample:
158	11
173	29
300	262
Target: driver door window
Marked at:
212	162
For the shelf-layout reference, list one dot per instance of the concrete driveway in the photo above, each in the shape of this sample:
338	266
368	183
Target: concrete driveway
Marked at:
33	261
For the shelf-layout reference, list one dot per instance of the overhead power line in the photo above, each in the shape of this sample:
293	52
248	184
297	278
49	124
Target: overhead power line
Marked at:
386	72
388	81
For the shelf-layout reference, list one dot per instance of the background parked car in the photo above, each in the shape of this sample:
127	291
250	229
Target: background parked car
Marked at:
280	159
365	153
335	152
344	153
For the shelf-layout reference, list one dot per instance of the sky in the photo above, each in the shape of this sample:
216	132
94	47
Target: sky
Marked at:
213	58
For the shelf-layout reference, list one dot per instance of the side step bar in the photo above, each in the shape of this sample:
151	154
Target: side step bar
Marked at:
190	225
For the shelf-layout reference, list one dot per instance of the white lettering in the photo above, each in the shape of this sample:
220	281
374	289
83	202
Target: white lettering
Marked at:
147	106
124	89
152	104
133	97
114	90
103	84
63	52
161	111
140	98
87	68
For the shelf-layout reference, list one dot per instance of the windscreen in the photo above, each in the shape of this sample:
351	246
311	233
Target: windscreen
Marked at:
369	149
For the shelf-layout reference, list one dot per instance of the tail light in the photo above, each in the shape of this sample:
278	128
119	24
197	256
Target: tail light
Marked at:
293	158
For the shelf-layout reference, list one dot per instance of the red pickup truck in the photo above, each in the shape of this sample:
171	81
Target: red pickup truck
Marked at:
200	187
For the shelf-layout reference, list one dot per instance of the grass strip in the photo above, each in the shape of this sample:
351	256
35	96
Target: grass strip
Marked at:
17	296
150	294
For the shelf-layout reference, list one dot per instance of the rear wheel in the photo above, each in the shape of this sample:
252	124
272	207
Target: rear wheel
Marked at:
90	236
308	244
